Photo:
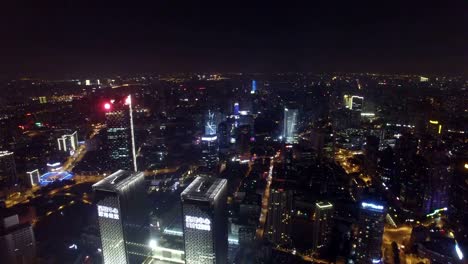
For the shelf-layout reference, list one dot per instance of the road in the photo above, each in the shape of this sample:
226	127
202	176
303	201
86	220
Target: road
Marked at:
265	199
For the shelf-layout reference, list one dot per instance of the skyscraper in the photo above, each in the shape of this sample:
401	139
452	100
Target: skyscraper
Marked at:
68	143
371	223
254	87
121	211
322	224
205	221
210	146
8	176
290	125
120	134
278	224
17	243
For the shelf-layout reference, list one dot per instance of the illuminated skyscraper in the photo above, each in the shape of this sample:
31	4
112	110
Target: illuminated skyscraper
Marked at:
205	221
353	102
370	231
322	224
254	87
290	125
278	224
210	146
68	143
122	214
8	176
120	134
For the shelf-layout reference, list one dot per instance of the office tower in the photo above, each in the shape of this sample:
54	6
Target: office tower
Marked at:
210	148
120	134
17	243
371	152
224	134
371	223
254	87
413	184
209	141
290	125
68	143
8	176
278	224
205	221
322	224
440	172
121	207
353	102
33	177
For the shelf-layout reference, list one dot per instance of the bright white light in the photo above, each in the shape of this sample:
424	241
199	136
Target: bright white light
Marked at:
459	252
153	244
372	206
376	261
213	138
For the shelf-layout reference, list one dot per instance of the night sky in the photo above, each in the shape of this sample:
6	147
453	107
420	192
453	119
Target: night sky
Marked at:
73	37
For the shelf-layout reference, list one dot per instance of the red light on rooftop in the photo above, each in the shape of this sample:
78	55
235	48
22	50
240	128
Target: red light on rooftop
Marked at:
128	100
107	106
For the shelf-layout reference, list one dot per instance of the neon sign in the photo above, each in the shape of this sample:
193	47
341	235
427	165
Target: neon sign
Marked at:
198	223
108	212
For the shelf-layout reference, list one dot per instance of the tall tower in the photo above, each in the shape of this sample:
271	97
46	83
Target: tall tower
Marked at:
370	231
290	125
278	225
210	146
121	211
205	221
322	224
120	134
8	176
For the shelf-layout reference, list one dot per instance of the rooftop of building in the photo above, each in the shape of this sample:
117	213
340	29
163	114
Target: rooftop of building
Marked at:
118	181
204	189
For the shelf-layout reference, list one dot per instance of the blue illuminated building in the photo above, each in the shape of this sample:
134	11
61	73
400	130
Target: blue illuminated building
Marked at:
254	87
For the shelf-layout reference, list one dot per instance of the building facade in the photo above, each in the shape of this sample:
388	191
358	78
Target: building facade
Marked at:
371	223
322	224
8	176
278	223
122	214
290	125
120	138
205	221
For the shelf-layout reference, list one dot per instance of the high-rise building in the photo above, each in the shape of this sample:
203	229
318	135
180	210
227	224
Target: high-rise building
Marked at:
120	134
440	172
17	243
254	87
279	218
209	151
353	102
205	221
8	176
322	224
68	143
371	223
290	125
210	146
34	177
121	207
